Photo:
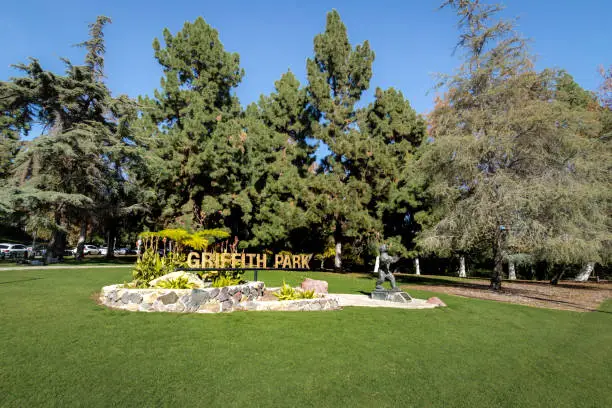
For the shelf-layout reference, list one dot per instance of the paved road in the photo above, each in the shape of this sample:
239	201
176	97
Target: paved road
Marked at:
26	268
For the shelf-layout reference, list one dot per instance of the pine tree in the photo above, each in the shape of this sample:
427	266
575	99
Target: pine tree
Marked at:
189	122
392	133
338	75
281	167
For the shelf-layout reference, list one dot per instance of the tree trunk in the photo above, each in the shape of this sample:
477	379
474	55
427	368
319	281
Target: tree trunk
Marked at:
498	270
377	264
57	245
462	273
110	246
81	242
586	272
417	268
338	245
557	277
511	271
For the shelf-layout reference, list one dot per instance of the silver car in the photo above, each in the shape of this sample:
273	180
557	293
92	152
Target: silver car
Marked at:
88	250
12	250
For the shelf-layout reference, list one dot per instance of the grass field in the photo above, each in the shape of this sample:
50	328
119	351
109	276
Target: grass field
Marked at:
59	348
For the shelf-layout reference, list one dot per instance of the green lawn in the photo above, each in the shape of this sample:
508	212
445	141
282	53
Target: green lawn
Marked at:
58	348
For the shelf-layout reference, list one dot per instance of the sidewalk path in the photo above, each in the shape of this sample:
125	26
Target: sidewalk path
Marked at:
42	267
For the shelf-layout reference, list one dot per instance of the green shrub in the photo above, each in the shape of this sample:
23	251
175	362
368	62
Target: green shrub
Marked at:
182	282
305	294
286	292
151	265
223	280
135	284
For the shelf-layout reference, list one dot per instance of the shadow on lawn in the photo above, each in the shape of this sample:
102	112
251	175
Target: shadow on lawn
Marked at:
20	280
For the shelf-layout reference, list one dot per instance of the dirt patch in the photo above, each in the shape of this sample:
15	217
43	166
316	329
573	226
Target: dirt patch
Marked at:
567	295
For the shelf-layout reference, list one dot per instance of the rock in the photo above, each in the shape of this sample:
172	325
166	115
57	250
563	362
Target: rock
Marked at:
191	278
209	308
111	295
145	307
195	299
436	301
223	295
227	306
168	298
131	297
319	286
149	297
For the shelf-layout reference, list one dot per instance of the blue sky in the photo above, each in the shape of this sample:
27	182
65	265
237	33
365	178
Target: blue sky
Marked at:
412	40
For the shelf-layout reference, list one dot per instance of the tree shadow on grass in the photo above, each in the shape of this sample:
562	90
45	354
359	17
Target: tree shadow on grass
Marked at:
20	280
433	281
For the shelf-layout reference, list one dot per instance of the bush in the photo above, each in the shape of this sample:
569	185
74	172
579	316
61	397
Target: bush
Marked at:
223	280
151	265
182	282
286	292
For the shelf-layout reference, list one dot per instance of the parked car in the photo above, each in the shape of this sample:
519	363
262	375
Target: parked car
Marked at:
12	250
121	251
103	251
88	250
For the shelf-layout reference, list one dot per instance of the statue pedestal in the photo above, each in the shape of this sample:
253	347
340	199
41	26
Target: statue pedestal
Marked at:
393	295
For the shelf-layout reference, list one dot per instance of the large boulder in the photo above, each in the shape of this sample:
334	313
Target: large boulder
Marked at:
436	301
191	278
319	286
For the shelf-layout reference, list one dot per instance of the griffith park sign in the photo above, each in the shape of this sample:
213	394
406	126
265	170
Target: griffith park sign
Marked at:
218	260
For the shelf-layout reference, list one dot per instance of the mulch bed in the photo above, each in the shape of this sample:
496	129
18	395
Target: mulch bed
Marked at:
567	295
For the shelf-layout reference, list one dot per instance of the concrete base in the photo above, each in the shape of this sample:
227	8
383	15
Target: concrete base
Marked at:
365	301
391	296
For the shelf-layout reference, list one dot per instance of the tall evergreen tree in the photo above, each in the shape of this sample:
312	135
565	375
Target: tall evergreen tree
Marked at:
281	167
511	168
189	120
338	75
64	176
391	133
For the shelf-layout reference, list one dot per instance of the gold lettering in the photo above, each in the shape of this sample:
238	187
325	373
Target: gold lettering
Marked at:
287	261
306	260
250	256
207	260
217	258
235	260
226	258
297	263
193	260
242	263
262	261
278	260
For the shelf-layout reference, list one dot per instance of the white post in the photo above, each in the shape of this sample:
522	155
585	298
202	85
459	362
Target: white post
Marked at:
417	268
377	264
338	258
511	271
462	273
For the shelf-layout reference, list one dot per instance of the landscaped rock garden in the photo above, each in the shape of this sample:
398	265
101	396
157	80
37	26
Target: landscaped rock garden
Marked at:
244	297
